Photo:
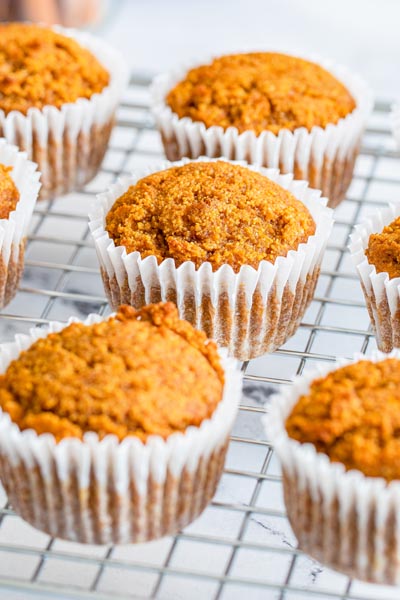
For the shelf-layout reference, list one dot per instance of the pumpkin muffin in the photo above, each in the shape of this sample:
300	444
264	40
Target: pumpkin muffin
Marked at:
242	105
337	436
226	242
128	421
63	88
19	187
375	247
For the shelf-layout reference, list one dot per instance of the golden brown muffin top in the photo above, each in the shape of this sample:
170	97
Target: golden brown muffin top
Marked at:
39	67
140	373
261	91
353	416
209	211
9	194
383	249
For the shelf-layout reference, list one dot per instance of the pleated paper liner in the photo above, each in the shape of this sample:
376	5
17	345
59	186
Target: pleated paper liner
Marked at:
14	229
343	519
382	295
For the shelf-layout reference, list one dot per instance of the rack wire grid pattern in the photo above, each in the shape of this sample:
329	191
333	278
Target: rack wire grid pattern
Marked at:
242	544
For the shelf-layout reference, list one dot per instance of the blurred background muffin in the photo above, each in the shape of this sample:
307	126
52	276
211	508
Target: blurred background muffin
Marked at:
60	90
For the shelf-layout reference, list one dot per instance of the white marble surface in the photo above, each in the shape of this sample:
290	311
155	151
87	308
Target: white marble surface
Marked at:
364	34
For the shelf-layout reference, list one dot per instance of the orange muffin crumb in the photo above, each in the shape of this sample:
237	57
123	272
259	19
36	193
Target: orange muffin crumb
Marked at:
353	416
383	249
139	373
9	194
39	67
209	211
261	91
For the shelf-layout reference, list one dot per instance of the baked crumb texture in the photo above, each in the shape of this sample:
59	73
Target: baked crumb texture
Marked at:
39	67
383	250
141	373
213	212
353	416
9	195
261	91
43	72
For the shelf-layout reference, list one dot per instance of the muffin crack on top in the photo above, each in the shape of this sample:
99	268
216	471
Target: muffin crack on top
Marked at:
261	91
214	212
40	67
353	416
139	373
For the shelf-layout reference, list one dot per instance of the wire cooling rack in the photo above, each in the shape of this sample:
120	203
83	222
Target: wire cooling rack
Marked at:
242	544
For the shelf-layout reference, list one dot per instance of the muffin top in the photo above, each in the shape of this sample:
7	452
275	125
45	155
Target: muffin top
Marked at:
139	373
40	67
9	194
383	249
261	91
353	416
218	212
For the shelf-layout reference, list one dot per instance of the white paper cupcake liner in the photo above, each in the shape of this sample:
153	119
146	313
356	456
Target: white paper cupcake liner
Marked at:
382	294
69	143
343	519
323	156
395	118
251	312
13	230
107	491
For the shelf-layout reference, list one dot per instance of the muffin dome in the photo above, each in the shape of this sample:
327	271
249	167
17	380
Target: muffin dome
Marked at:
218	212
40	67
353	416
138	373
261	91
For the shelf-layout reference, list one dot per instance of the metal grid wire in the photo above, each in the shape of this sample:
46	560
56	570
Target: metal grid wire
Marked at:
242	544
